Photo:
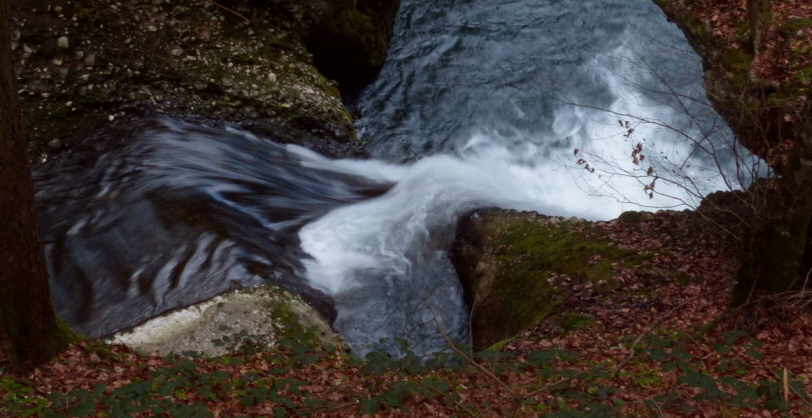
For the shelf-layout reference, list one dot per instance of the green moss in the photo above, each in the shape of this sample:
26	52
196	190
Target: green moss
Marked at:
573	321
62	337
13	337
351	46
713	51
789	29
289	324
498	346
559	250
359	29
515	292
265	77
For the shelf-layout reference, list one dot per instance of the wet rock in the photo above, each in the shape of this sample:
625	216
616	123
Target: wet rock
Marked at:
63	42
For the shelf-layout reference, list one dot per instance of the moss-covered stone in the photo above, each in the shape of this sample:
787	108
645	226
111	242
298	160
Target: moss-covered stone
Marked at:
505	260
264	314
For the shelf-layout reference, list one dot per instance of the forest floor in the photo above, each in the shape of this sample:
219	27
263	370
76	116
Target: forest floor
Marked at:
787	43
664	348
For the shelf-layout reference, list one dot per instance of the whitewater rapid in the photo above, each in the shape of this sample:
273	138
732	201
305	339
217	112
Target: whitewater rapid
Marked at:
394	246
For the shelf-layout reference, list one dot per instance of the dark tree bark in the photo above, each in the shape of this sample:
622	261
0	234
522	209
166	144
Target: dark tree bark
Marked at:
778	257
29	328
759	15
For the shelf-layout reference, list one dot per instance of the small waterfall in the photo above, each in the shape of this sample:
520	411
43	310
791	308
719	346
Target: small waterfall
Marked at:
480	104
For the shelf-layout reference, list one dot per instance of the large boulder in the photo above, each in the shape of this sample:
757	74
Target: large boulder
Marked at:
516	267
260	316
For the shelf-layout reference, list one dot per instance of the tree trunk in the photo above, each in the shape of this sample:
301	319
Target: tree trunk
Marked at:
29	328
759	15
779	252
773	261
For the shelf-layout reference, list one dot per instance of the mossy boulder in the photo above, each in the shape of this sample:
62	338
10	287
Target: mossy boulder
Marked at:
260	316
512	264
350	47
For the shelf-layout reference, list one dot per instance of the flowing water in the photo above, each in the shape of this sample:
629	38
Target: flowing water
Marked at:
480	104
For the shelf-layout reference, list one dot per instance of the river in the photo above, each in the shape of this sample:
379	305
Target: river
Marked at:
480	104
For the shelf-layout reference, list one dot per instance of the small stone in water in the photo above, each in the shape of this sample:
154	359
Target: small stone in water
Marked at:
62	42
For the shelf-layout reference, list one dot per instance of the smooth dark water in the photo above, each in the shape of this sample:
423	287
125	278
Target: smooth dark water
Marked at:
480	104
458	68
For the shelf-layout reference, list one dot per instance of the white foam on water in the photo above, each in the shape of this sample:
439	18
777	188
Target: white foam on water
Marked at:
516	173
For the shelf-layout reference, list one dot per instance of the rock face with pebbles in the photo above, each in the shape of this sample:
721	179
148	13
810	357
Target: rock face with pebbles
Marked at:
84	63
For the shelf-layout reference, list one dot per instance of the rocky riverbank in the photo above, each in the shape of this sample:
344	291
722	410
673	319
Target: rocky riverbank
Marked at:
82	64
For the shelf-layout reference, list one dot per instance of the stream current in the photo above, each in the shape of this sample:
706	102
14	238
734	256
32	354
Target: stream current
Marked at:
480	104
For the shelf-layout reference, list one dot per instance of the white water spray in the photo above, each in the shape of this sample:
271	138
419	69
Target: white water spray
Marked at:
380	242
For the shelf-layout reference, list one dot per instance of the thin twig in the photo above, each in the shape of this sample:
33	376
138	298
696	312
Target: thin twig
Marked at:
645	332
659	410
480	367
335	407
228	10
795	391
459	404
554	384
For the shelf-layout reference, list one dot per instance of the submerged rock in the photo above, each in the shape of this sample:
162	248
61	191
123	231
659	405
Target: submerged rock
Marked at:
260	316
